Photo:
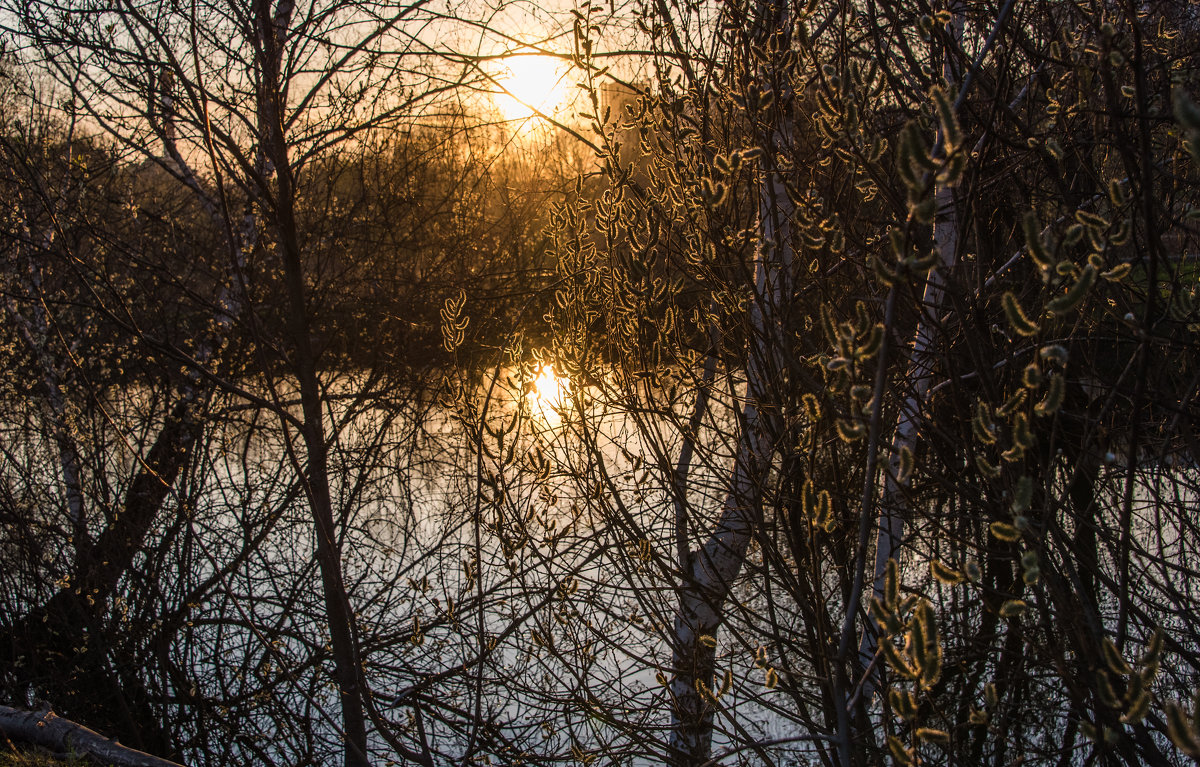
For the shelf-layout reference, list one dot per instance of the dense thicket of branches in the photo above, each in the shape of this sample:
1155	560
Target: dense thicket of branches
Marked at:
894	282
225	480
880	324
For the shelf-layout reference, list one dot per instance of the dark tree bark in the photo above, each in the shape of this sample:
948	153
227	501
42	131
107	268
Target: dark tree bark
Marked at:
48	730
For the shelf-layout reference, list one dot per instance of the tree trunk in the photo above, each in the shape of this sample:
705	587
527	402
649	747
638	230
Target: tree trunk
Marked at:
273	30
47	730
918	376
708	573
61	634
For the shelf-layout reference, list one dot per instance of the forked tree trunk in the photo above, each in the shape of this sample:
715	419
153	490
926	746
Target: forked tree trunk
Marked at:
709	572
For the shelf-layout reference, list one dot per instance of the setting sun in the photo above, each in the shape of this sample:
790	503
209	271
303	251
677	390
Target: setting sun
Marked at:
531	84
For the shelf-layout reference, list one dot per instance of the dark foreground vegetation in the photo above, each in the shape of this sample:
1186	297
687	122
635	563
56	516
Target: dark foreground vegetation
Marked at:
25	759
879	445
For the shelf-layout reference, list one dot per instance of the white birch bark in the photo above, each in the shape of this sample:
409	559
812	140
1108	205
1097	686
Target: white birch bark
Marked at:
894	504
709	572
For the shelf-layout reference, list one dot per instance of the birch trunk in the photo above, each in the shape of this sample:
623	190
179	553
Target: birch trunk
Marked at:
709	572
35	333
894	504
894	508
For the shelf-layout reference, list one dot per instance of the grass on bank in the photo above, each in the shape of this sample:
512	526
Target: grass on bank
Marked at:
12	757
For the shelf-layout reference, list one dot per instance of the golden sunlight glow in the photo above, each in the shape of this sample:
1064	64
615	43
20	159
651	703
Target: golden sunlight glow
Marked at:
531	84
550	391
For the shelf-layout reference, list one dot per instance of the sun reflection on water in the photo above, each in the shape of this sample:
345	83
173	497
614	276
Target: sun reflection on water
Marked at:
550	393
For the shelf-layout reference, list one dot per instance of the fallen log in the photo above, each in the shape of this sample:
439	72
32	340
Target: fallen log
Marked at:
51	731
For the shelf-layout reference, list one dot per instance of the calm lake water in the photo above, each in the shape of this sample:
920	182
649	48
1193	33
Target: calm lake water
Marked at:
524	578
